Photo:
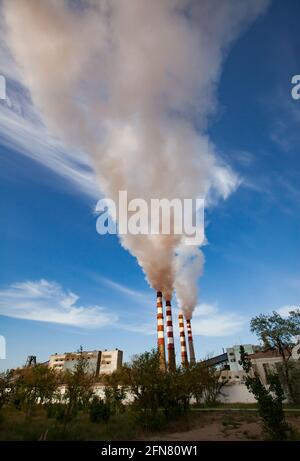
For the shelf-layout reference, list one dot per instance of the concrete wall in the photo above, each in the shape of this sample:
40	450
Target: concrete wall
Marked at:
236	393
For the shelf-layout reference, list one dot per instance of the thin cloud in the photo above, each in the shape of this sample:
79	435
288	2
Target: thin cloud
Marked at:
208	320
22	130
46	301
137	295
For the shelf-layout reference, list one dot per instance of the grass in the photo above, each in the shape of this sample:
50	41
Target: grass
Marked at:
16	426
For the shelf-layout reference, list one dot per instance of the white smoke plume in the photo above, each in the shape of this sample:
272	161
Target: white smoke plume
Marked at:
132	84
188	268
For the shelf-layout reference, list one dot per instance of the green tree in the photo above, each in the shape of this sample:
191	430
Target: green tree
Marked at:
294	377
176	392
144	380
115	392
5	385
269	399
33	386
279	333
205	383
99	410
78	387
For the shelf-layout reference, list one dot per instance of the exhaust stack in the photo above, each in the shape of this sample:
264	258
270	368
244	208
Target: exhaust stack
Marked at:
190	341
184	358
170	337
160	332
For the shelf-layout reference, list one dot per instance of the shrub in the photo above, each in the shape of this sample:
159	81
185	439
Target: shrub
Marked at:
99	411
269	399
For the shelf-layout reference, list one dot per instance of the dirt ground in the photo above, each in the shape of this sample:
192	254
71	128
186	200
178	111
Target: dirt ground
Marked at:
224	427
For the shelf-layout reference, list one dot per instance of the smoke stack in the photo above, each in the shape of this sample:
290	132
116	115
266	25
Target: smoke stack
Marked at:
160	332
184	358
170	337
190	341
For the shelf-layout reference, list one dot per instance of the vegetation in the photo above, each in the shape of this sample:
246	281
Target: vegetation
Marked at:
39	403
294	379
139	393
31	386
278	333
78	389
269	399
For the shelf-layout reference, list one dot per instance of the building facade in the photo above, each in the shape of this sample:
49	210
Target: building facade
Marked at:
233	354
98	362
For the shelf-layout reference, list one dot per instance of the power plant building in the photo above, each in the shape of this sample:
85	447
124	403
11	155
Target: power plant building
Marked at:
98	362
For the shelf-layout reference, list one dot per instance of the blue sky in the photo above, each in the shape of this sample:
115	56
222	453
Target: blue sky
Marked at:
52	259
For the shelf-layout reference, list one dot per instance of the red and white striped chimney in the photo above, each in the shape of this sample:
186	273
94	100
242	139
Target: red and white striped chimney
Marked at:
184	358
170	337
160	332
190	341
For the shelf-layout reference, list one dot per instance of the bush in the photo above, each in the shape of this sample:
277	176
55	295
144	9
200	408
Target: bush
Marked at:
99	411
269	399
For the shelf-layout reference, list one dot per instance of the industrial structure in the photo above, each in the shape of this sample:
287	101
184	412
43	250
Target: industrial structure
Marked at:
170	337
170	364
160	331
98	362
190	342
30	361
184	358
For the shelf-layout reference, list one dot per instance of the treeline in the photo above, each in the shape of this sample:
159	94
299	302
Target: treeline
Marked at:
153	397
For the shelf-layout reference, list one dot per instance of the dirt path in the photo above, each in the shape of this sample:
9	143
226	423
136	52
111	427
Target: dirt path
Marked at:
223	427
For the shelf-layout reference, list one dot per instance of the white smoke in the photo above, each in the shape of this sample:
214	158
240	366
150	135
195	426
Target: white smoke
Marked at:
132	84
189	262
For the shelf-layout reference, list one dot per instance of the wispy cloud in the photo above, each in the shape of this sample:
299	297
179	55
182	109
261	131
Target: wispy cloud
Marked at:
46	301
22	129
209	320
138	295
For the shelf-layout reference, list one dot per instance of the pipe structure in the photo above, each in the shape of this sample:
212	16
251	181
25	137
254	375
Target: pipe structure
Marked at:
170	337
160	332
184	358
190	341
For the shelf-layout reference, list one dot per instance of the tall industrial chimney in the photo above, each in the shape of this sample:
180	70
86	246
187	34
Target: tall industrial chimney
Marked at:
184	359
190	341
170	337
160	332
